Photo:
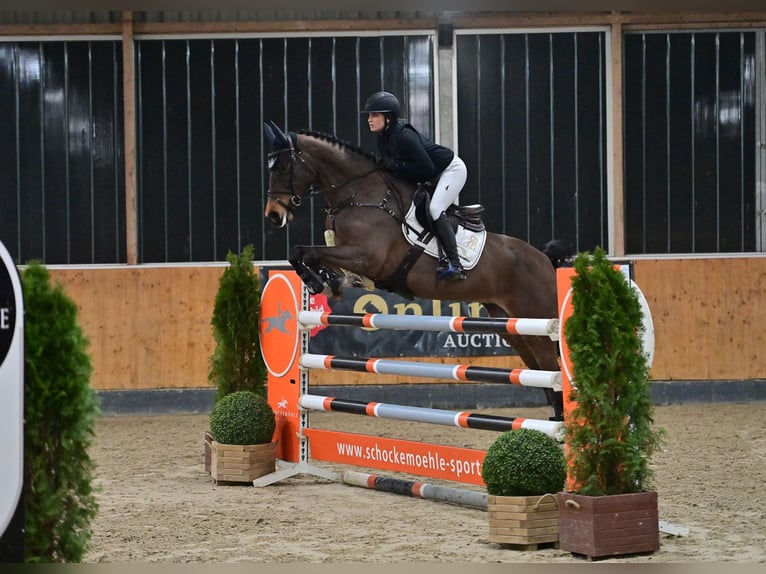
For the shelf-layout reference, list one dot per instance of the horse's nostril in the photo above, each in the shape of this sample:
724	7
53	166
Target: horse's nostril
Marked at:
274	218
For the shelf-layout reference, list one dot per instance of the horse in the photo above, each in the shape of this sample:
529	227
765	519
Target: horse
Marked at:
366	206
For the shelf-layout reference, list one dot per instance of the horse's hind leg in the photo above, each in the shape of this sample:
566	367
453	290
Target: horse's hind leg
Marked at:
538	353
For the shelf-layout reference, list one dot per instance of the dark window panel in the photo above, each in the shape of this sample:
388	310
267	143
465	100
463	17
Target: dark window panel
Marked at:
698	132
202	142
590	228
681	164
370	81
276	240
633	144
705	144
79	116
564	150
348	101
730	144
467	91
489	183
151	142
56	154
32	222
175	103
297	92
547	147
252	179
9	191
321	92
655	138
301	100
516	135
540	138
63	134
748	120
108	175
394	61
224	147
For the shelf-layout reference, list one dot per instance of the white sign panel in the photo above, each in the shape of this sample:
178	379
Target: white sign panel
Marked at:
11	388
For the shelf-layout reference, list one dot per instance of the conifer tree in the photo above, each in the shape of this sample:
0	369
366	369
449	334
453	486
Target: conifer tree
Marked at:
237	363
59	411
609	433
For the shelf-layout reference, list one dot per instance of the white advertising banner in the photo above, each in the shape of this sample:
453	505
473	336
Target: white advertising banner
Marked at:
11	388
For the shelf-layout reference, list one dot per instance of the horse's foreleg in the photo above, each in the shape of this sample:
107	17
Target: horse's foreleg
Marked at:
318	266
311	278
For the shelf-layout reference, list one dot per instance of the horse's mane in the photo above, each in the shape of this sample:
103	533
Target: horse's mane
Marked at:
339	142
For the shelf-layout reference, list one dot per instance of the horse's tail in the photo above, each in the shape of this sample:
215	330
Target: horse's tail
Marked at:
559	252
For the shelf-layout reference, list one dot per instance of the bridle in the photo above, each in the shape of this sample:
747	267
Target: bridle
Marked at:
296	199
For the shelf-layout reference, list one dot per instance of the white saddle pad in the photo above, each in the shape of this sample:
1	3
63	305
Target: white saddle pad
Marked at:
470	244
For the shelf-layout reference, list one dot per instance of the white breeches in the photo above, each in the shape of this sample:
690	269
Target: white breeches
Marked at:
451	182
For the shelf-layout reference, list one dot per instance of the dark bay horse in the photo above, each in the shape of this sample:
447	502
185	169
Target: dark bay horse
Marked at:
366	206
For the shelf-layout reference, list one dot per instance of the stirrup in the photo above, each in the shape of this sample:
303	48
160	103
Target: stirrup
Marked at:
451	272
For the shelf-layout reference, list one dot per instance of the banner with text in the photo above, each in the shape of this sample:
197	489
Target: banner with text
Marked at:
364	342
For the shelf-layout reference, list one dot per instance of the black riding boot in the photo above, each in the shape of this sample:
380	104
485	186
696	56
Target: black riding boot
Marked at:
451	268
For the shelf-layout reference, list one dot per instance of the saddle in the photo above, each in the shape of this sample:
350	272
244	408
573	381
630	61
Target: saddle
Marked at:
469	216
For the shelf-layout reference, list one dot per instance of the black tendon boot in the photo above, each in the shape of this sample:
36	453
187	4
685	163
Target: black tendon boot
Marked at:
446	236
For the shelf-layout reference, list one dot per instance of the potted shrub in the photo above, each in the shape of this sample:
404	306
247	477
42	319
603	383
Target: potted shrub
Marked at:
608	508
523	470
242	426
236	363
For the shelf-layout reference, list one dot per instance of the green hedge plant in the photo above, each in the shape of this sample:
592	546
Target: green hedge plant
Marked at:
242	418
237	363
524	462
609	433
59	411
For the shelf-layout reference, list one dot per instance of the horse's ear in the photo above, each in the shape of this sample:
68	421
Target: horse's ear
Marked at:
269	133
281	140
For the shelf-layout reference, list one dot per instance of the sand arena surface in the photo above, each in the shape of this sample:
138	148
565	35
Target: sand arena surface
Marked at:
157	504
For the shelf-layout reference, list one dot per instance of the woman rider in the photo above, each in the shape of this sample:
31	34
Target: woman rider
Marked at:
413	157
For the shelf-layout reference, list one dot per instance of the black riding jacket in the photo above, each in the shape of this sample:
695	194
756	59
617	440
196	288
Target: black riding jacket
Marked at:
416	158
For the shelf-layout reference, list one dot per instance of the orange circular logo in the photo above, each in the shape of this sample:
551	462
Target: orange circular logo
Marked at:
280	336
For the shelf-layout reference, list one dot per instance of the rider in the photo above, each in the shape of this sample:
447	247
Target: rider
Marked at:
415	158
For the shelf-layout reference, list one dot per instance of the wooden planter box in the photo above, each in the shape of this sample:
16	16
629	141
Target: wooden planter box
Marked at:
613	525
239	463
523	521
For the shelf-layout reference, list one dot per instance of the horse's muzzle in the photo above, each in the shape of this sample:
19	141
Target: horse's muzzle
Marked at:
277	213
276	219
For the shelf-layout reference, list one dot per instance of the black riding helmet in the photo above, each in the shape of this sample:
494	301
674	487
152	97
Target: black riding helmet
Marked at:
383	102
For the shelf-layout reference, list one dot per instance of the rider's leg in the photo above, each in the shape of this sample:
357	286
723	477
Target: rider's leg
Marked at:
453	268
447	191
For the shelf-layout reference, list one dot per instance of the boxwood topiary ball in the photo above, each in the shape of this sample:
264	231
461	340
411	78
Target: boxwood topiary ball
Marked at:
242	417
524	462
